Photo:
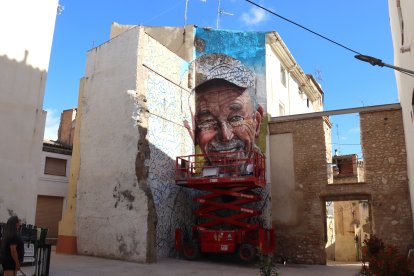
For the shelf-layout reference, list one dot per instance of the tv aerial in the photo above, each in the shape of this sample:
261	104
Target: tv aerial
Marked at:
220	12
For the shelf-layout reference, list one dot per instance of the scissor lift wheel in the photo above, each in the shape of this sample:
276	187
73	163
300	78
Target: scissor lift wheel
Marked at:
190	250
247	252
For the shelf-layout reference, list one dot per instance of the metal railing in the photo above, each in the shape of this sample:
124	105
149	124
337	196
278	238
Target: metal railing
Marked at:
220	165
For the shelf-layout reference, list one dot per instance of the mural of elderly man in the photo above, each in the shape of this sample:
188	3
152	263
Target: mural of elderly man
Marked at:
227	114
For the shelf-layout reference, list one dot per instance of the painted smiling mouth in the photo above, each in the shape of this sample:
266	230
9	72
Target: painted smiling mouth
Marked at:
228	156
236	149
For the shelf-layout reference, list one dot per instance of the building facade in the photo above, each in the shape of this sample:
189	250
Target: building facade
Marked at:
54	174
52	186
302	185
27	31
402	30
139	105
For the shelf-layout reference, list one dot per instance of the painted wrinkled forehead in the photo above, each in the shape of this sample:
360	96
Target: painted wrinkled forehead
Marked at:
220	66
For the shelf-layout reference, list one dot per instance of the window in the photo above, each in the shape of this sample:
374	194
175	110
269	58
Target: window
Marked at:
307	102
283	75
55	166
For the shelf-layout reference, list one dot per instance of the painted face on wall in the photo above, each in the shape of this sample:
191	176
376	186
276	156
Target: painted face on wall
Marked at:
225	119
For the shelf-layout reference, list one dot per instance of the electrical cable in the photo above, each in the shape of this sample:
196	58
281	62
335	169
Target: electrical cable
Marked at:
303	27
372	60
165	11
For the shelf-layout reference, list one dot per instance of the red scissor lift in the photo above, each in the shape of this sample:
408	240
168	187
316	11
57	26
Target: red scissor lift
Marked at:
225	211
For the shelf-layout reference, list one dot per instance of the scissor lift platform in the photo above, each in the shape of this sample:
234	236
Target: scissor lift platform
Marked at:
227	206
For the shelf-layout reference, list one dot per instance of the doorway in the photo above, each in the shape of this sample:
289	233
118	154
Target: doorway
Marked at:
347	226
48	215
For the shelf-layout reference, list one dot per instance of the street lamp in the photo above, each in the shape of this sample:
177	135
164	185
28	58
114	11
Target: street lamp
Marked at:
375	61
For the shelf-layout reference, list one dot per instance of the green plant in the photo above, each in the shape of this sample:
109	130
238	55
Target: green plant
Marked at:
267	265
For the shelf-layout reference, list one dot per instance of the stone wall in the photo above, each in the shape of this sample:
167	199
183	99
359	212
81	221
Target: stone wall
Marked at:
302	238
383	147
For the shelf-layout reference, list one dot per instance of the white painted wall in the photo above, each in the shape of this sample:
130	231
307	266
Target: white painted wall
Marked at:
112	210
294	101
276	92
27	32
404	57
53	185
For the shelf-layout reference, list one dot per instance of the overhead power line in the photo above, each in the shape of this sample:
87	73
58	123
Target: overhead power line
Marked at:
372	60
303	27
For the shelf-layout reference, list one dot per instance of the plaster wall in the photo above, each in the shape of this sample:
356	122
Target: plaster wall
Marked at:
344	214
165	82
113	207
277	93
285	195
27	32
402	30
131	178
67	240
53	185
179	40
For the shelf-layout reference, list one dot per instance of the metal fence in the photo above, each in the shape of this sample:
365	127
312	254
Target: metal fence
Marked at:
36	251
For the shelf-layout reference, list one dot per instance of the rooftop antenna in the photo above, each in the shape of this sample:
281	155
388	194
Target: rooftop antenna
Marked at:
185	12
339	143
219	13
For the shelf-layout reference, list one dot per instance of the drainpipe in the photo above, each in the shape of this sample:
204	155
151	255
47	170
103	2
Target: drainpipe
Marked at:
357	247
288	87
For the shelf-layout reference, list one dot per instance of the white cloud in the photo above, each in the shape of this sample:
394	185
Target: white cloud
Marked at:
52	124
254	16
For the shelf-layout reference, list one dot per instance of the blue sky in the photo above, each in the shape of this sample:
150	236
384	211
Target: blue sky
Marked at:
360	25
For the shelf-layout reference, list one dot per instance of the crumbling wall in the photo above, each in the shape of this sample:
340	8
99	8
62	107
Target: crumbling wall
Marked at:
167	100
115	211
135	103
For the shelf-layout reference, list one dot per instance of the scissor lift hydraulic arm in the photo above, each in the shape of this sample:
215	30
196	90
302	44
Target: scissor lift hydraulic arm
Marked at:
228	207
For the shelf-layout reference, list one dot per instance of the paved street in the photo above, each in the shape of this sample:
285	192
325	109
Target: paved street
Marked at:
69	265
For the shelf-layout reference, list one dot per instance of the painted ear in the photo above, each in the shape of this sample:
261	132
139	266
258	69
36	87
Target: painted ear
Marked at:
259	118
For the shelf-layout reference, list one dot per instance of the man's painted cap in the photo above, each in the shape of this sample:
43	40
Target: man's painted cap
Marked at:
220	66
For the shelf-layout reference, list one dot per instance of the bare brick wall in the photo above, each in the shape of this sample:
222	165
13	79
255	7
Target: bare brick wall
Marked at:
385	187
383	148
304	243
